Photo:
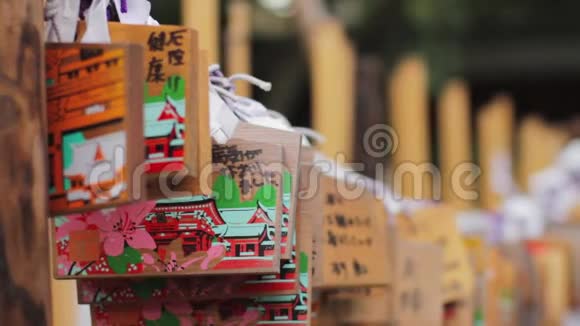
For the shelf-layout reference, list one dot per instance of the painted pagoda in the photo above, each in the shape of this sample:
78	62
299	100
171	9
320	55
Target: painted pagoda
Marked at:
199	223
164	135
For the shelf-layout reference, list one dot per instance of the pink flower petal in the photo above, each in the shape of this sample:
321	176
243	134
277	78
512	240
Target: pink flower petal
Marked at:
178	308
191	261
148	259
138	211
214	252
103	221
152	310
140	239
114	244
68	227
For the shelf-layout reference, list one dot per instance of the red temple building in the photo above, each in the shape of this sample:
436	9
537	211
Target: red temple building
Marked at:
288	269
199	223
283	308
246	240
164	136
261	216
192	221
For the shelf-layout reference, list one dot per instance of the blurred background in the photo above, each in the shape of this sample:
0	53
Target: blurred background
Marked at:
527	49
422	66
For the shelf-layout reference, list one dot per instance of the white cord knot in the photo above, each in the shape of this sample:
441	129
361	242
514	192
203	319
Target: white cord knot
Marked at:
61	17
243	107
50	12
249	110
50	9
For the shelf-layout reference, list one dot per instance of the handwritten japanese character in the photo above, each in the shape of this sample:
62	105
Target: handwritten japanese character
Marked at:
359	268
176	38
332	239
176	57
156	41
330	199
338	268
155	73
340	220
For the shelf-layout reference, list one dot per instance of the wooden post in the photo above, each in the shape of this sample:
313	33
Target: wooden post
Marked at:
332	61
538	146
238	47
67	311
24	254
454	137
203	16
203	105
495	136
408	96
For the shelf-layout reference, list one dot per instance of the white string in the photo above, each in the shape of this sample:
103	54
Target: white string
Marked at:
311	133
96	20
61	18
50	12
224	86
245	108
265	86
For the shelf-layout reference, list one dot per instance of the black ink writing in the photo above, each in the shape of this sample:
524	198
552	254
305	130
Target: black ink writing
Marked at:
339	268
359	269
157	41
155	73
231	154
176	57
336	238
176	38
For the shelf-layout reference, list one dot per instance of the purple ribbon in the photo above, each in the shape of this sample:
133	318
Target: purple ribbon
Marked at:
124	6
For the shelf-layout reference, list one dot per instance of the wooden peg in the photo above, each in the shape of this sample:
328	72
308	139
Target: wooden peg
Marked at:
454	137
408	96
494	129
538	146
203	16
238	48
332	59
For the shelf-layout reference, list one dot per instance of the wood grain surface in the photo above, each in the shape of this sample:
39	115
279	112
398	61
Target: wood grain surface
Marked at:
24	276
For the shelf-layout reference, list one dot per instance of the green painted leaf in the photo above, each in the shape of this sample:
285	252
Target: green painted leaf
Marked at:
119	263
133	255
303	262
287	182
266	195
227	194
167	319
174	87
144	289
